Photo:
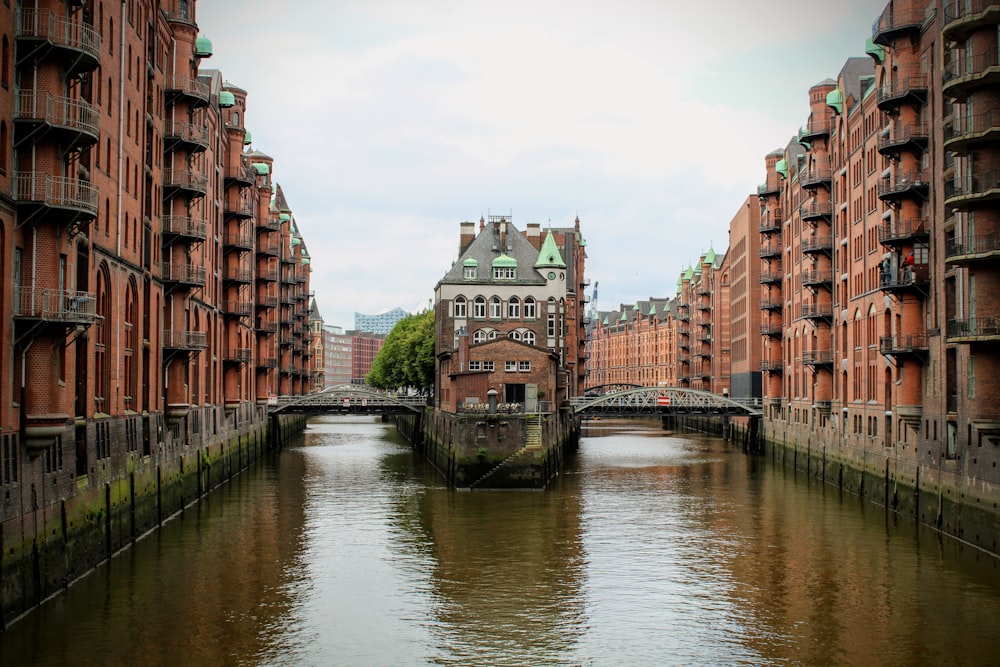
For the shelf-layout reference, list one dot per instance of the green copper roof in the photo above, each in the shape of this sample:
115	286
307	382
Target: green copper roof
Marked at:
652	309
876	51
781	166
807	144
203	47
835	100
305	261
710	256
549	254
262	168
624	317
284	217
504	260
296	240
226	99
247	138
689	273
605	322
470	262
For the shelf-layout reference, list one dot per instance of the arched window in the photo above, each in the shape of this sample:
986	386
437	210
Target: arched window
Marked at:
5	63
479	336
102	344
461	307
479	308
514	335
528	337
131	345
529	308
3	146
496	308
514	308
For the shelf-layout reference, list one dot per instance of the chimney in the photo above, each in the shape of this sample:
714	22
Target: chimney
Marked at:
534	234
466	236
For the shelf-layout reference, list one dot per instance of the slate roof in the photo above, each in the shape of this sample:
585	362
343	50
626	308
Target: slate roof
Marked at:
485	248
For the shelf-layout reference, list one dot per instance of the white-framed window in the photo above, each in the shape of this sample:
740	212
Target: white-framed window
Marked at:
479	308
528	337
475	365
514	308
461	307
510	366
492	333
550	326
471	272
479	336
524	366
489	366
529	308
514	335
504	273
496	308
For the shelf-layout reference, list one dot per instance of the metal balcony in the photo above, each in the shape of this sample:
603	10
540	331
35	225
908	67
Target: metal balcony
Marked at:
236	355
904	232
269	223
899	138
184	88
770	222
975	190
188	136
67	199
973	330
904	185
816	129
817	279
812	210
184	182
238	240
771	186
913	279
40	32
184	340
895	22
239	174
967	251
770	250
180	228
907	345
267	327
267	362
817	358
812	245
183	274
816	175
67	307
910	90
817	311
768	366
771	330
963	134
237	275
237	308
267	276
238	209
965	75
771	304
71	122
771	277
962	17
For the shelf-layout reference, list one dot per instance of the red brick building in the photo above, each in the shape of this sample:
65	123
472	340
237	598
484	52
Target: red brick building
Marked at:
509	316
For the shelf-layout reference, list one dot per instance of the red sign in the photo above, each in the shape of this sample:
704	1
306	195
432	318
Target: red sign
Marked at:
663	400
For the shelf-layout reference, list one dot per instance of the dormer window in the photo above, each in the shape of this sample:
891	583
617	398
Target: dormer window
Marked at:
470	269
504	273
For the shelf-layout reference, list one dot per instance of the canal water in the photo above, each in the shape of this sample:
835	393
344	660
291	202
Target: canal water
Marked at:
651	549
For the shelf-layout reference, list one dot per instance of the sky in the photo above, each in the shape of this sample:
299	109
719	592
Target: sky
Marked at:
392	121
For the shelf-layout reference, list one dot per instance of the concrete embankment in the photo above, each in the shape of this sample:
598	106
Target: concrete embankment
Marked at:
64	520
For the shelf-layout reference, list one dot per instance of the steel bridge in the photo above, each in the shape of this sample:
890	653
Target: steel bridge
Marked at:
661	401
348	399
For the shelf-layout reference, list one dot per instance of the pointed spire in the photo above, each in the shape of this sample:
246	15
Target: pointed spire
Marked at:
549	255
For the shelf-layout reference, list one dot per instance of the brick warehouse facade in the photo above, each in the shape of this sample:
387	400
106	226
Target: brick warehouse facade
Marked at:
156	286
877	275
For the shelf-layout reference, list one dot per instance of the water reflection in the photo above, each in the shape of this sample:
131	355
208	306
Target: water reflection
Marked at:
652	548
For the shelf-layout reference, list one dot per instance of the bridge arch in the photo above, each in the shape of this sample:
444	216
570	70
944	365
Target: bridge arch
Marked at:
652	401
349	399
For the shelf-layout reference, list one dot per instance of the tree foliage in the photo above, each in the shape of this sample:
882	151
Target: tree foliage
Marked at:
407	356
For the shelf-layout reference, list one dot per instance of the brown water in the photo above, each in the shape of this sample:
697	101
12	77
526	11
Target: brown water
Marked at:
651	549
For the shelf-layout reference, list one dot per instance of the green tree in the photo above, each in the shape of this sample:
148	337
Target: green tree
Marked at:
407	356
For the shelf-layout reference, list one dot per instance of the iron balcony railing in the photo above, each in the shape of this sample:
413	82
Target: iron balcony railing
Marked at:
57	192
180	225
184	340
979	244
903	344
897	231
974	327
55	305
58	111
60	31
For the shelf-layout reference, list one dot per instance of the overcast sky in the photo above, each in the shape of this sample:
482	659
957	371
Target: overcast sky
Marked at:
391	121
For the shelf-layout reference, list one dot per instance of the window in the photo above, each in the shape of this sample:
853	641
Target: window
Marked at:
529	308
461	307
504	273
528	337
514	335
524	366
479	308
496	308
510	366
514	308
475	365
489	366
470	272
479	336
550	326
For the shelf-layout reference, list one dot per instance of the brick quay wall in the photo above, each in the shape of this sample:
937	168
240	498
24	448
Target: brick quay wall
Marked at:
60	522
